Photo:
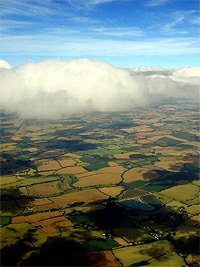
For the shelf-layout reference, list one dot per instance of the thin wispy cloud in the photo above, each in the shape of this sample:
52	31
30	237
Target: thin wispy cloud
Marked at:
195	20
7	24
154	3
92	3
180	18
171	26
26	8
68	43
119	31
85	20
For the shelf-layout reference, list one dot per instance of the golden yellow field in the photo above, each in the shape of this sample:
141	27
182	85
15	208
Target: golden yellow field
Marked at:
72	170
29	203
36	217
144	141
86	196
99	179
52	225
168	162
48	165
90	195
43	189
8	179
112	191
16	138
71	155
8	147
47	173
121	241
112	164
30	149
116	169
138	173
66	162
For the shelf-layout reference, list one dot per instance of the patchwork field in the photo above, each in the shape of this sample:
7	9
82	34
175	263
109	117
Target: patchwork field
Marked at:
102	189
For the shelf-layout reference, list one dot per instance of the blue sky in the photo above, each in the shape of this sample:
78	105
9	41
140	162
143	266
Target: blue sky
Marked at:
126	33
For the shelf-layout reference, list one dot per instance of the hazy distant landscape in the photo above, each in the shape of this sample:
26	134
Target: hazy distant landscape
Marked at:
102	189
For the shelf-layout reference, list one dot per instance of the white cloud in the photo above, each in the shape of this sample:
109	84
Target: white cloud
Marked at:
4	65
187	72
52	88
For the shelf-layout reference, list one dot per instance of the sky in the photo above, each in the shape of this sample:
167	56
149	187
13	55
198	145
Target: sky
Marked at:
125	33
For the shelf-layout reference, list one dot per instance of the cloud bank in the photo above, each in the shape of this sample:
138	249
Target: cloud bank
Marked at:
51	89
4	65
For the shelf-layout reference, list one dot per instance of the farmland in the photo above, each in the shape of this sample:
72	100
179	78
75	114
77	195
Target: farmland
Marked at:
103	189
